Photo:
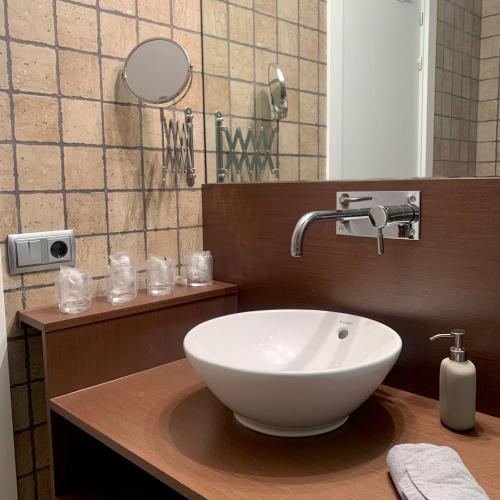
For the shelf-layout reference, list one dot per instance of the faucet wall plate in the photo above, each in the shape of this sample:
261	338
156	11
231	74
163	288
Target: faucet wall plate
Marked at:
368	199
30	252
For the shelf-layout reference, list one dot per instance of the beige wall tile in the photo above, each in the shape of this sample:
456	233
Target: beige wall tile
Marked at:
33	68
190	208
241	61
113	86
39	404
289	168
490	7
41	212
6	168
13	303
2	20
86	212
242	99
216	58
308	43
151	127
163	243
5	124
192	44
48	297
149	30
79	74
92	254
4	79
153	178
266	6
126	211
40	278
21	25
155	10
240	24
39	297
308	72
293	106
41	446
290	67
124	6
123	168
186	14
308	13
288	38
161	209
190	240
265	32
76	26
83	168
323	47
216	94
263	59
486	131
20	409
81	121
308	108
133	244
323	16
8	221
289	138
118	35
308	169
215	17
9	281
39	167
22	444
36	118
289	10
121	125
194	98
17	364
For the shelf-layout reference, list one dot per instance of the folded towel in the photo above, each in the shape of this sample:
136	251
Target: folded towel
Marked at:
430	472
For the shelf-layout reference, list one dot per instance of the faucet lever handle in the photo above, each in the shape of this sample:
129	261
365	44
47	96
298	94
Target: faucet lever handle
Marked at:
380	241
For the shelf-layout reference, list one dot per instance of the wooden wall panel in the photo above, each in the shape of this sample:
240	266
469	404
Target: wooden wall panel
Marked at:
448	279
97	352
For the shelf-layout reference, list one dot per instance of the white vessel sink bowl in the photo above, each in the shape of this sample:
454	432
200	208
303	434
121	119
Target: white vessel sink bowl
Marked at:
292	372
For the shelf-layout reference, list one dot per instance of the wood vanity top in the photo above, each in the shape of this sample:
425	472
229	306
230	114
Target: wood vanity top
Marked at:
49	319
167	422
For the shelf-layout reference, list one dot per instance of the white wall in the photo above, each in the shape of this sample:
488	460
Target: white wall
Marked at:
379	98
8	487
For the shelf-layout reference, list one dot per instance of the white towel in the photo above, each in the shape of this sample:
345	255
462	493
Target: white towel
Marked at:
430	472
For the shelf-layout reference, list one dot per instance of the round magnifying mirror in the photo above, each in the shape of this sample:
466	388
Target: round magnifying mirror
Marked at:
157	71
277	88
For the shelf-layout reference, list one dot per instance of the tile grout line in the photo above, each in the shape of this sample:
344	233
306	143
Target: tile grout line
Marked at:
103	125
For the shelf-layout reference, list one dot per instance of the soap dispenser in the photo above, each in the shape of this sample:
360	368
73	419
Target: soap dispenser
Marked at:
457	385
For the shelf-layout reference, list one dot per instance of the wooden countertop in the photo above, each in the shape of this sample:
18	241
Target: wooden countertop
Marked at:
49	319
167	422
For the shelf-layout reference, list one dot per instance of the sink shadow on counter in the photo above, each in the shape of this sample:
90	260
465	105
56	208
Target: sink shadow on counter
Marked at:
368	434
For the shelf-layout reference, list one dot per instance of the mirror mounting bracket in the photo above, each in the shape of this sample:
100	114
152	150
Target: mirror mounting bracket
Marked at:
177	147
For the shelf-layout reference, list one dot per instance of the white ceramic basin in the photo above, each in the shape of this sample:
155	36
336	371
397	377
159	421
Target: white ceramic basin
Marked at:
292	372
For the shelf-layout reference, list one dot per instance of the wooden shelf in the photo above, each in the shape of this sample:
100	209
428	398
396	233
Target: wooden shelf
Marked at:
166	422
49	319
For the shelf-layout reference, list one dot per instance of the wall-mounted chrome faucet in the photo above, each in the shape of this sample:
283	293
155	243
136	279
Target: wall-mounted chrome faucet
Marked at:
389	214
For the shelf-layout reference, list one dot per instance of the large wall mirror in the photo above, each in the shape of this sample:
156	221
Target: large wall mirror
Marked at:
385	89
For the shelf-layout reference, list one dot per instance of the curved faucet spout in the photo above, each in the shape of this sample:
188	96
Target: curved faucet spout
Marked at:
297	242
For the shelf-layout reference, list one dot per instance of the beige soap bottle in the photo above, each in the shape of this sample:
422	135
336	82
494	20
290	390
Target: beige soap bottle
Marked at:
457	385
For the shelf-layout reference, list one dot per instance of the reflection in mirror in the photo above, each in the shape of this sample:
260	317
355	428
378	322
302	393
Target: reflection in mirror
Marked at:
158	71
423	106
277	89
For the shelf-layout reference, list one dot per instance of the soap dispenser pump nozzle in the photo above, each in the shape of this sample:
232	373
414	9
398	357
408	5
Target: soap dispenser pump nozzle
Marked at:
457	351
